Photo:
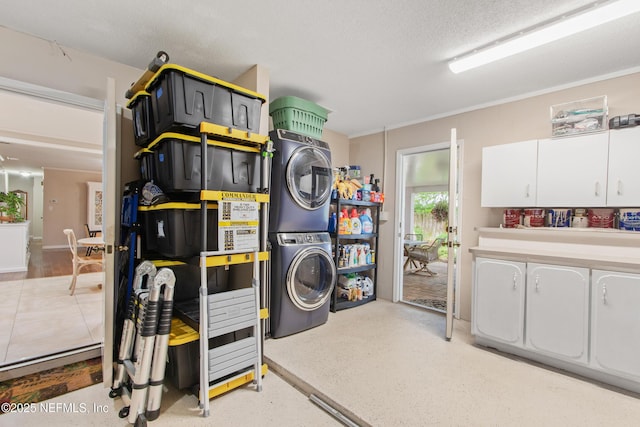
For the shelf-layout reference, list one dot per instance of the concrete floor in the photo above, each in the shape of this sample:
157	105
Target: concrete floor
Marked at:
383	364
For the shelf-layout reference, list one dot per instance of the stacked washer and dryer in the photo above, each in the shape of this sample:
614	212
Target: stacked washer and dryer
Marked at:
303	272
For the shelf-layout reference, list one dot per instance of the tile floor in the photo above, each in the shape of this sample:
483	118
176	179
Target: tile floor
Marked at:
39	317
385	364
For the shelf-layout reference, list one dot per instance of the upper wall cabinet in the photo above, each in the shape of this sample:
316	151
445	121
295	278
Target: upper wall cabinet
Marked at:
623	187
573	171
509	174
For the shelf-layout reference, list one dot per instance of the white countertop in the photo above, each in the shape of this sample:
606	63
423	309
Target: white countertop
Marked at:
585	247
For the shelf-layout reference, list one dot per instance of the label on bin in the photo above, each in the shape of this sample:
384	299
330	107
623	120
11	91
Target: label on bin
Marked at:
238	225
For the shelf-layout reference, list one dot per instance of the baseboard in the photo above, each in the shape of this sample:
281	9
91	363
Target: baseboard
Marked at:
56	247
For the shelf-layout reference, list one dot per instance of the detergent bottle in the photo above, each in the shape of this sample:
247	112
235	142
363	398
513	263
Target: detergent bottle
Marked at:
344	224
356	226
333	221
366	222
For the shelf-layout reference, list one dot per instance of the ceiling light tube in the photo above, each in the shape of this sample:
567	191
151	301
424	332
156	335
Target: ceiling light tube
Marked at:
564	27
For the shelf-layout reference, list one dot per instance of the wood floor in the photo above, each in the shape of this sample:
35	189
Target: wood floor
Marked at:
48	263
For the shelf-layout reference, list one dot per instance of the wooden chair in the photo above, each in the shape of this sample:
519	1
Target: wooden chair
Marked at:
422	255
79	262
90	233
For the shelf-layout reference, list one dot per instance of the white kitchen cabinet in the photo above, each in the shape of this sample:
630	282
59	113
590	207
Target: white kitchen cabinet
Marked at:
557	311
623	187
509	174
572	171
14	251
615	323
499	300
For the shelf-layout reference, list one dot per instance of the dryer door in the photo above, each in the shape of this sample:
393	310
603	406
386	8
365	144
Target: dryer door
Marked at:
309	177
310	279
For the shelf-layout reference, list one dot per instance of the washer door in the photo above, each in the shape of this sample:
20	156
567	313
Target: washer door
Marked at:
310	278
309	177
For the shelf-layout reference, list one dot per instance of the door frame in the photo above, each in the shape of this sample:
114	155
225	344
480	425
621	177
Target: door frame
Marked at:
400	212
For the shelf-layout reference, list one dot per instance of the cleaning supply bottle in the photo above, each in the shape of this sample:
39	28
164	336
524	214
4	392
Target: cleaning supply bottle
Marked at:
344	225
366	222
356	226
362	255
353	256
333	221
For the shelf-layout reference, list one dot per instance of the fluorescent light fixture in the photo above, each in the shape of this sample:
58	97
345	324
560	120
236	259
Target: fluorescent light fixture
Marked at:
584	19
1	158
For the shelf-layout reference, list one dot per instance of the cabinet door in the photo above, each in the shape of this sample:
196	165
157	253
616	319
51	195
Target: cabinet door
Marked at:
509	175
499	300
615	323
623	188
557	320
573	171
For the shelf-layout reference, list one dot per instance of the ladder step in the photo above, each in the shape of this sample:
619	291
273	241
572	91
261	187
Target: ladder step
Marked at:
236	381
232	357
231	311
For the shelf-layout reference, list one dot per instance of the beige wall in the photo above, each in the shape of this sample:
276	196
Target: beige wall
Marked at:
510	122
339	145
65	204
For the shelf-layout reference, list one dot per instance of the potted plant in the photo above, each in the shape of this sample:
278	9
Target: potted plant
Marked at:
10	204
440	211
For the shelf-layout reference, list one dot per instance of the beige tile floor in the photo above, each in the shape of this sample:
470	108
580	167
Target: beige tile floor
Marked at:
387	365
390	366
277	405
38	316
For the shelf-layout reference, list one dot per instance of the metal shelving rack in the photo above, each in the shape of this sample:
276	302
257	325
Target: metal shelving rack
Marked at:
338	304
232	365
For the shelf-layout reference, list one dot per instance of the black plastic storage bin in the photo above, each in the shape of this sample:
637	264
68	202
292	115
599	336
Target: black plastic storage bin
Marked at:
143	124
181	97
173	229
187	275
175	165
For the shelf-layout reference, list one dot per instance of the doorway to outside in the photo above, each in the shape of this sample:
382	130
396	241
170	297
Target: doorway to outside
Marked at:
424	212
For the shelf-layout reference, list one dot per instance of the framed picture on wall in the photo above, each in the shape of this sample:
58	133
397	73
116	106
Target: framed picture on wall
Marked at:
94	206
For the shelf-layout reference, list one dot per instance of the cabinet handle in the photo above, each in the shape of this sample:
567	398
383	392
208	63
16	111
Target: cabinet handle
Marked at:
619	187
597	189
604	294
527	191
537	282
515	280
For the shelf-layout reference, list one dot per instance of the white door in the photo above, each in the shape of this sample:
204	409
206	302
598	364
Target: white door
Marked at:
572	172
452	231
624	175
557	319
498	306
509	174
615	323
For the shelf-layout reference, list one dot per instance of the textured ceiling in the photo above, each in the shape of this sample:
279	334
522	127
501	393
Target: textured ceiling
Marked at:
373	63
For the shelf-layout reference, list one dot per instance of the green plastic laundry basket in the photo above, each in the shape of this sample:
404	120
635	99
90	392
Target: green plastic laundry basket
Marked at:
298	115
